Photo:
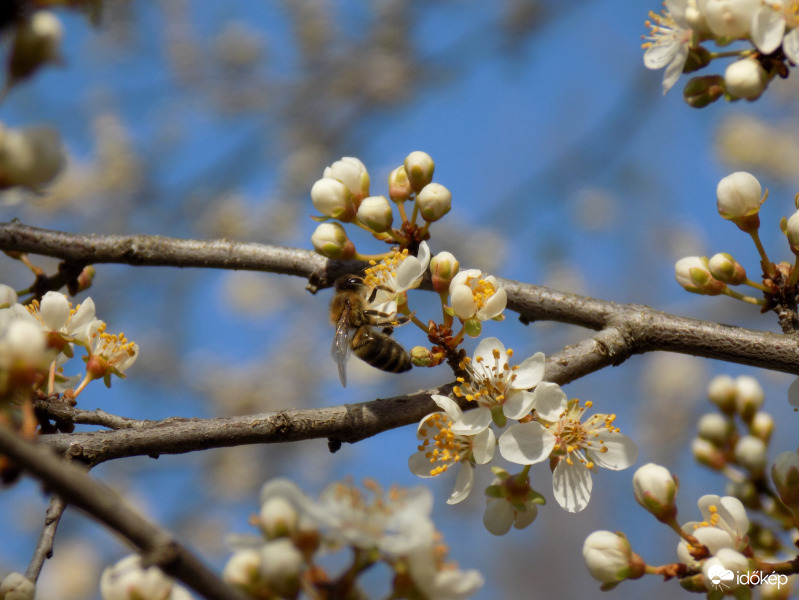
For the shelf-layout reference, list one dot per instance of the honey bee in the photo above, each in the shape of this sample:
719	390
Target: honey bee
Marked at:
354	329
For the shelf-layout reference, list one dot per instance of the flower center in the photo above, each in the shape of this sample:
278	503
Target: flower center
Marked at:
482	290
489	387
441	446
663	29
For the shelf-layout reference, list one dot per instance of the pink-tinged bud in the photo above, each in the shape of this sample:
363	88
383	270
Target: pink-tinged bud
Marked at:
708	454
785	475
331	240
722	391
750	453
749	397
333	199
375	212
746	79
399	188
610	558
419	166
739	197
434	202
351	172
726	269
693	274
655	489
443	267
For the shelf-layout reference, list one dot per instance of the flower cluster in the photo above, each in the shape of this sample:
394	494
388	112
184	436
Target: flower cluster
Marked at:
37	339
129	579
548	427
679	34
391	527
723	552
739	198
342	196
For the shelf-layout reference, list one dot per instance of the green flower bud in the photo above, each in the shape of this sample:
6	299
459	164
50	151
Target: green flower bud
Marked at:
693	274
399	188
443	267
375	212
701	91
725	268
331	240
434	202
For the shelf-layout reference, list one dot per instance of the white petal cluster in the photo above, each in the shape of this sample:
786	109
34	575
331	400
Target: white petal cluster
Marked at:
669	41
129	580
474	295
394	276
724	525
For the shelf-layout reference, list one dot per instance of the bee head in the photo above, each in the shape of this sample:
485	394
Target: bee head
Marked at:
349	282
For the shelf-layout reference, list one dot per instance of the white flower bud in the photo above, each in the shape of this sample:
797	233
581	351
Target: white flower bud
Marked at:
127	580
746	78
739	197
352	173
330	240
434	202
693	275
730	19
443	267
750	453
419	166
399	188
655	489
726	269
36	43
748	397
714	428
281	566
15	586
375	212
762	426
610	558
30	157
792	232
278	517
243	568
333	199
722	391
785	475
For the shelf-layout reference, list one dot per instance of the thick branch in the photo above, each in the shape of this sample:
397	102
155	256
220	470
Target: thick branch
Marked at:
75	486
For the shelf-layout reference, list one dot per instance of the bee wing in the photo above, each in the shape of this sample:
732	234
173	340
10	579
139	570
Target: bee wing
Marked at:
341	345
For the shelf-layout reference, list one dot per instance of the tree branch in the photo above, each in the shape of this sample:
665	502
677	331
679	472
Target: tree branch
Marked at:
44	546
75	486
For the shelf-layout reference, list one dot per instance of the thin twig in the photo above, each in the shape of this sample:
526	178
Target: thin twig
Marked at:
44	547
75	486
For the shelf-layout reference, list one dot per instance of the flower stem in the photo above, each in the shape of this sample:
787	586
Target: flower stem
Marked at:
738	296
765	263
794	276
756	285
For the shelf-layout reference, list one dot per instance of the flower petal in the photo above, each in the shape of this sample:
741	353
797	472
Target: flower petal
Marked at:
464	483
527	516
571	484
768	27
472	422
54	310
518	404
549	401
530	372
790	45
483	446
485	351
449	406
498	516
462	301
526	443
420	464
494	305
618	450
